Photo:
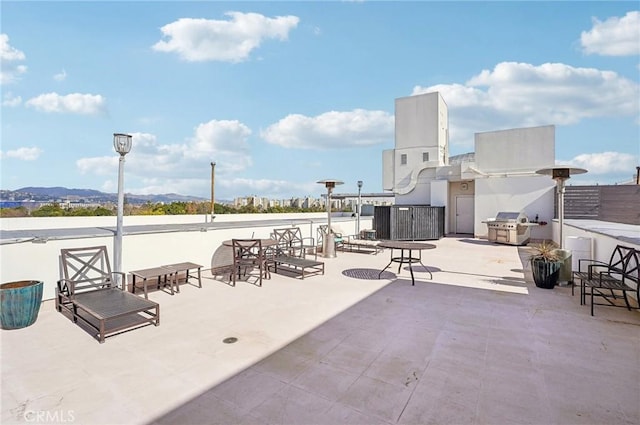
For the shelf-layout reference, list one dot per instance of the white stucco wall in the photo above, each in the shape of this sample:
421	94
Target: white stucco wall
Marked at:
440	198
533	195
418	120
515	150
421	193
388	166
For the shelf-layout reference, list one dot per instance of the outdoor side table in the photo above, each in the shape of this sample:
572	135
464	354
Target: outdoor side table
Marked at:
406	255
186	267
162	274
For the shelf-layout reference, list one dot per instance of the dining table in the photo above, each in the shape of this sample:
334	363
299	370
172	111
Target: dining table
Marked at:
410	253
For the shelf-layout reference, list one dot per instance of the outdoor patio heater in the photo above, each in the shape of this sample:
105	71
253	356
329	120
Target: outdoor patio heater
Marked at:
561	173
329	240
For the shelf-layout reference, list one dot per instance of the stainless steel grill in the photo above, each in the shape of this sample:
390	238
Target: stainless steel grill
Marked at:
512	228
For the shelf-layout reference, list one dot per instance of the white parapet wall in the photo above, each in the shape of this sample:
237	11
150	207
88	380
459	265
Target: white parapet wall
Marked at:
19	223
532	195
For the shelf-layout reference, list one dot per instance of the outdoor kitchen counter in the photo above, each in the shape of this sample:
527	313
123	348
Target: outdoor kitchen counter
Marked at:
512	228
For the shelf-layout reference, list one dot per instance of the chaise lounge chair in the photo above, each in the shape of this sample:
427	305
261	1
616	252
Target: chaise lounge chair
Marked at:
89	291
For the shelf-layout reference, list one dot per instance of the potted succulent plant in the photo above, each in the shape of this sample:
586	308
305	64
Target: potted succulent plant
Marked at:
545	265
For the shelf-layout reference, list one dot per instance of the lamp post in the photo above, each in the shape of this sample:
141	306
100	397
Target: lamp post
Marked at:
359	208
560	174
329	242
213	177
122	145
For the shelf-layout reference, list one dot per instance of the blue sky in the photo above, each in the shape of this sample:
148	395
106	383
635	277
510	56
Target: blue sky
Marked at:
283	94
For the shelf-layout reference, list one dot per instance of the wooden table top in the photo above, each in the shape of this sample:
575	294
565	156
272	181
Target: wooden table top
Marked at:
406	245
265	242
152	272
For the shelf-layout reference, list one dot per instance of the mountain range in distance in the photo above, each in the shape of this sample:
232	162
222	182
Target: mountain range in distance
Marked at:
52	194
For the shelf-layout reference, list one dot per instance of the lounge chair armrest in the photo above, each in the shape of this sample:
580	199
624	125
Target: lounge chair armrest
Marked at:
66	287
123	279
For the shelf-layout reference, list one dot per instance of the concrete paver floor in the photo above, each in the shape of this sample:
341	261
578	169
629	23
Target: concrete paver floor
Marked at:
478	344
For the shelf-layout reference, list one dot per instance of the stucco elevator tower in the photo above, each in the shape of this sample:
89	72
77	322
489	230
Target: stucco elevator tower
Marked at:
421	145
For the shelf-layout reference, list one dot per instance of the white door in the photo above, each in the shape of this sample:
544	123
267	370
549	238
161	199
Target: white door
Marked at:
464	214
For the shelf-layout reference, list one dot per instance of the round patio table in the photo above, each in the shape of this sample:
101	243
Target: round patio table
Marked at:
265	242
406	255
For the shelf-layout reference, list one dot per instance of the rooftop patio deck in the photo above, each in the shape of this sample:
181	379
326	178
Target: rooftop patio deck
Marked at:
477	344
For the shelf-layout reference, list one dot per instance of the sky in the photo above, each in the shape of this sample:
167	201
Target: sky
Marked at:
282	94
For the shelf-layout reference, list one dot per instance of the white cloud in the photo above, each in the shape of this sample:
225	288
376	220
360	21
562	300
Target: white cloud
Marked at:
10	56
11	101
332	130
522	95
233	40
222	141
605	162
61	76
613	37
75	103
103	165
156	186
23	154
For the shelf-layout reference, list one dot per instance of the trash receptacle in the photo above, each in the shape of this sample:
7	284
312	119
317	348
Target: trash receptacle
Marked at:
580	248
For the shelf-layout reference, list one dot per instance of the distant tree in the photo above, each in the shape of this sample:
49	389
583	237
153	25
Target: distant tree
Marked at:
53	210
222	209
248	209
148	209
14	212
101	211
191	208
175	208
78	212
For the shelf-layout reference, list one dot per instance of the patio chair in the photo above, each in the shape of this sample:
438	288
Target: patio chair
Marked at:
89	291
292	243
338	237
248	255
